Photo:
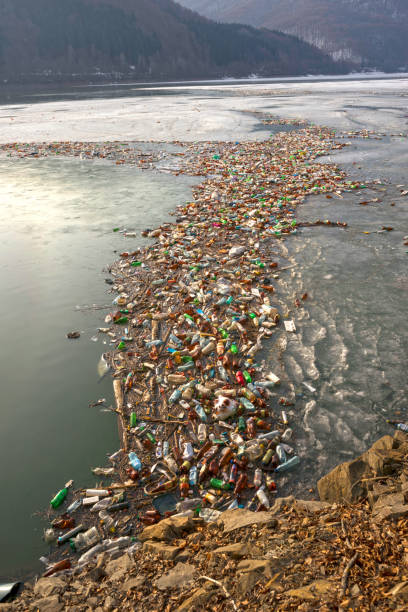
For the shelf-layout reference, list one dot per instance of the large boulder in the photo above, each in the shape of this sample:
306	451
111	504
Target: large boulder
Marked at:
351	481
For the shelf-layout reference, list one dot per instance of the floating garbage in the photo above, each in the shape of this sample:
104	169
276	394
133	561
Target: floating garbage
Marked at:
73	335
201	423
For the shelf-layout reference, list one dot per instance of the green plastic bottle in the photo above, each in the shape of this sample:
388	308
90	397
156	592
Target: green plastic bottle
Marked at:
241	424
247	376
234	349
216	483
133	419
59	498
122	320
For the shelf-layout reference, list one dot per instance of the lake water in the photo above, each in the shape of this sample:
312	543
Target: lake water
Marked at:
56	239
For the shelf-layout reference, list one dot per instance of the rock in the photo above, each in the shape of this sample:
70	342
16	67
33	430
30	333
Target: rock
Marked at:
96	574
92	601
379	489
47	604
389	500
349	481
235	519
181	574
199	597
311	506
400	438
117	568
109	604
49	586
280	502
390	512
168	529
133	583
313	590
250	571
165	551
183	556
343	484
238	550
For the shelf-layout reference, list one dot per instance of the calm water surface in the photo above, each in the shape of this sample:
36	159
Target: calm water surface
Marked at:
55	239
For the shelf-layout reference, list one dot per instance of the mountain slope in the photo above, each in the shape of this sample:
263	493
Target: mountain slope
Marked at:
370	33
49	39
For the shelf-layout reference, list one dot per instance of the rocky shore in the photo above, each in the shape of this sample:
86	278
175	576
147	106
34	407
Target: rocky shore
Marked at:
189	512
298	555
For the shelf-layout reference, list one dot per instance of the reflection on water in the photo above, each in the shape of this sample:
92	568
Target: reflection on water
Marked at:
55	239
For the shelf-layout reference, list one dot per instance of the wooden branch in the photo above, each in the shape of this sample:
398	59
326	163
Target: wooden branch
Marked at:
345	577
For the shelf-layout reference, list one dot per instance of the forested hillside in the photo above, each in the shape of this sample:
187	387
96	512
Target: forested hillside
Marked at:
142	39
368	33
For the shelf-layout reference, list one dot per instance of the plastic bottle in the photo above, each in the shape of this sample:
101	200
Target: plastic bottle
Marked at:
59	498
102	504
97	492
254	449
188	451
216	483
241	483
236	438
247	404
263	498
402	427
201	413
257	478
193	476
184	486
189	504
281	453
173	467
135	461
288	465
86	539
270	483
241	424
251	428
74	506
70	534
202	433
159	450
233	475
267	456
247	376
226	455
240	378
133	419
106	519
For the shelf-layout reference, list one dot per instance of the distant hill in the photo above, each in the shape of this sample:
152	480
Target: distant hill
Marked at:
368	33
142	39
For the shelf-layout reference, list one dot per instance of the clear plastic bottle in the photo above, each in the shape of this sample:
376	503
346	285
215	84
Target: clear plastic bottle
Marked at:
257	478
263	498
86	539
202	433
